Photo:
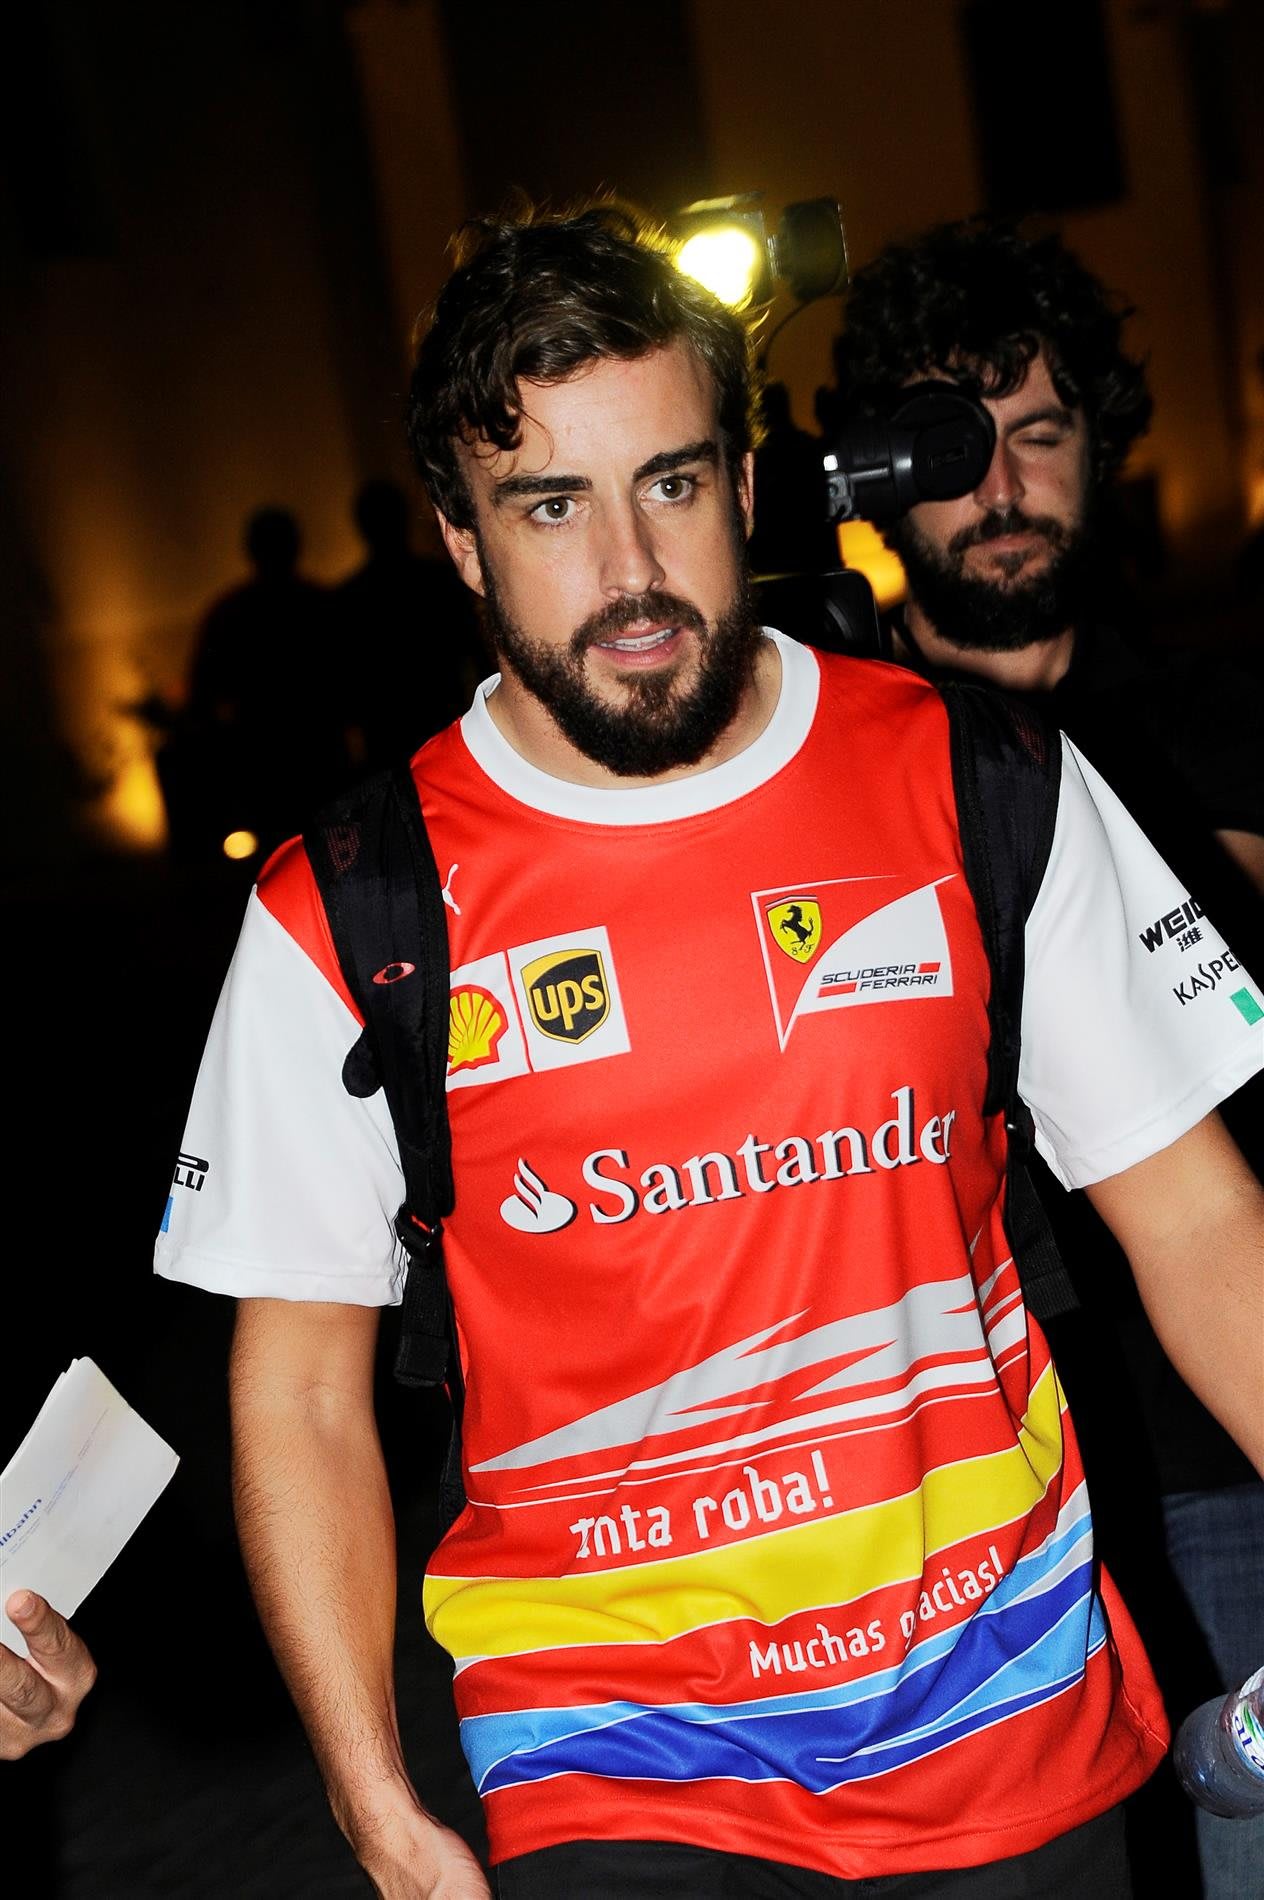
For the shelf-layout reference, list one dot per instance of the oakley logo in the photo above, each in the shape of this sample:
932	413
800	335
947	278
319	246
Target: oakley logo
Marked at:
393	972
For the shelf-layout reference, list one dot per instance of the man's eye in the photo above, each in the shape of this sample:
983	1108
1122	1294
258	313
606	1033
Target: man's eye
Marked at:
553	508
674	487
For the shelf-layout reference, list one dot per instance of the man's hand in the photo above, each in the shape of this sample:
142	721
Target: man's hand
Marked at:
40	1695
436	1865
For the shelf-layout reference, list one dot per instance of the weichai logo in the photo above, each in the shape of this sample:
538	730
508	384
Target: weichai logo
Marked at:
1175	926
567	993
476	1023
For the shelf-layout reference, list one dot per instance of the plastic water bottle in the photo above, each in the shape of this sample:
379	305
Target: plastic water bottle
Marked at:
1219	1752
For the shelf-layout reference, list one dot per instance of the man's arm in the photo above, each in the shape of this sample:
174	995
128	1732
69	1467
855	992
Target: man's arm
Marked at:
1246	848
40	1695
1191	1221
318	1536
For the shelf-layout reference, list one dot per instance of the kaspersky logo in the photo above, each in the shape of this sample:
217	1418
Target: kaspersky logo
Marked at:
850	941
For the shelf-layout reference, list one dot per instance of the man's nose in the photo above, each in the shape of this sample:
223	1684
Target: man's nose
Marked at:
629	562
1002	486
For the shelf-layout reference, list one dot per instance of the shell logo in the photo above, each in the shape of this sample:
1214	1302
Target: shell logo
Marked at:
476	1023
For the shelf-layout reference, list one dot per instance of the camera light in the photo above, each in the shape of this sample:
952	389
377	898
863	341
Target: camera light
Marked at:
726	260
724	244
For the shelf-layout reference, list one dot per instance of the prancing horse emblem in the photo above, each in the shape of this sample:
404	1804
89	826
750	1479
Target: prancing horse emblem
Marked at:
795	924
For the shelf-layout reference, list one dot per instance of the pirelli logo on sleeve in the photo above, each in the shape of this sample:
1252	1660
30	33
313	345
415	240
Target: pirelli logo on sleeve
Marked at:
541	1005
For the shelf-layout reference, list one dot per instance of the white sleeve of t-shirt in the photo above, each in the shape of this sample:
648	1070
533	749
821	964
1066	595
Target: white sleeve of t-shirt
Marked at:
1137	1017
286	1186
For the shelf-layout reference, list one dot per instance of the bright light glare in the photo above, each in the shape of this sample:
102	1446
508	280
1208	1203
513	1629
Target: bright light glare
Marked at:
725	260
240	844
861	546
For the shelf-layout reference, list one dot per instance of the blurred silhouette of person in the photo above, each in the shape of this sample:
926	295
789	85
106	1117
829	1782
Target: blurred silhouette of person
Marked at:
406	633
265	689
792	534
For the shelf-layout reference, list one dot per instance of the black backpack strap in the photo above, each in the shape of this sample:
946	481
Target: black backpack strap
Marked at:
1007	770
379	883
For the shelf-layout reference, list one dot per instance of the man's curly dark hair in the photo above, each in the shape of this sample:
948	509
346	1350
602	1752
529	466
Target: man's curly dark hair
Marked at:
975	301
534	296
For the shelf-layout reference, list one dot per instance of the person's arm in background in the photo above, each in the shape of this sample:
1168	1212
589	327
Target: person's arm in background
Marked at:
40	1695
317	1532
1246	848
1191	1221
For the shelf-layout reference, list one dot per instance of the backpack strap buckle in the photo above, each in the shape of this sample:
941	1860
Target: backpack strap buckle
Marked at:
424	1333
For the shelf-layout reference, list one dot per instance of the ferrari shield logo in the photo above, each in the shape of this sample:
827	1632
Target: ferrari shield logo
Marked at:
795	927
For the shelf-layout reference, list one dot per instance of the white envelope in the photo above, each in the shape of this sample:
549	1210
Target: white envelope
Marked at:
74	1491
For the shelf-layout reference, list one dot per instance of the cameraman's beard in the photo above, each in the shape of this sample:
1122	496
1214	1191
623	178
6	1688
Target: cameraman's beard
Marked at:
658	724
988	616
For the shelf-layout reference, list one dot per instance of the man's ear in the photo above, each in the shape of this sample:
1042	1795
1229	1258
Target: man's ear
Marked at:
462	545
744	485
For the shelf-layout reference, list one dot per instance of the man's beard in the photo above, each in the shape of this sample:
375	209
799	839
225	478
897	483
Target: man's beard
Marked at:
988	616
656	725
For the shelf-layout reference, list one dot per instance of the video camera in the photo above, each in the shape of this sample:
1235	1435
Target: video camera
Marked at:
935	444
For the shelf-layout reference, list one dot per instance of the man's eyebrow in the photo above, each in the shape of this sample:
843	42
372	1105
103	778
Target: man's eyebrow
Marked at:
705	451
1054	412
515	486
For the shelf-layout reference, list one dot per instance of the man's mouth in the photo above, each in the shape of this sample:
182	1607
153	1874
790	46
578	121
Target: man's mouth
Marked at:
655	648
1009	535
640	642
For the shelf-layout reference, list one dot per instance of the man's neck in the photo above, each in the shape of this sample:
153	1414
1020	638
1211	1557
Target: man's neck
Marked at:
1037	668
527	725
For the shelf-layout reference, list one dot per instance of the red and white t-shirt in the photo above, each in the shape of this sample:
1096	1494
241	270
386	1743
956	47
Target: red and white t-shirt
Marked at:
774	1509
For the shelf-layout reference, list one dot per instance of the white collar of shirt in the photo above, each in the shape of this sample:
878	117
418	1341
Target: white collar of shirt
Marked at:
685	797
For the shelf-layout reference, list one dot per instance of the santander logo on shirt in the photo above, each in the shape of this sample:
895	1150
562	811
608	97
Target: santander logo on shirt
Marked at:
621	1187
533	1208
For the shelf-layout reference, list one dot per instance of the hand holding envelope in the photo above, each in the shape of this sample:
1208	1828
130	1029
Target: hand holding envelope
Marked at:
70	1497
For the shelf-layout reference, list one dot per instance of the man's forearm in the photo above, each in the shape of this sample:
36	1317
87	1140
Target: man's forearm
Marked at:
1191	1220
317	1534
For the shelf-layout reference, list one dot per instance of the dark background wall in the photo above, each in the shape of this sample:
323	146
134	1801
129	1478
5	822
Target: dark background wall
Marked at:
218	223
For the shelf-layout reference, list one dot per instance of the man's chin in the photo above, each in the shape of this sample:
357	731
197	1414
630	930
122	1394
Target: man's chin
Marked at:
1010	573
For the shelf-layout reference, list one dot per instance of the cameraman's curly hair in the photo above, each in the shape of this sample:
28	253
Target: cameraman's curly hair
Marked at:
975	301
535	296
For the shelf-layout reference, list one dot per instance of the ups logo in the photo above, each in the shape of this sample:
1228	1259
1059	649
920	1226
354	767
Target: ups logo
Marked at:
567	993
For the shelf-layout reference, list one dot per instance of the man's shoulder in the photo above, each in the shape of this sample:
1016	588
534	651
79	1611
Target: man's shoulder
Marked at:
867	683
288	892
286	878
